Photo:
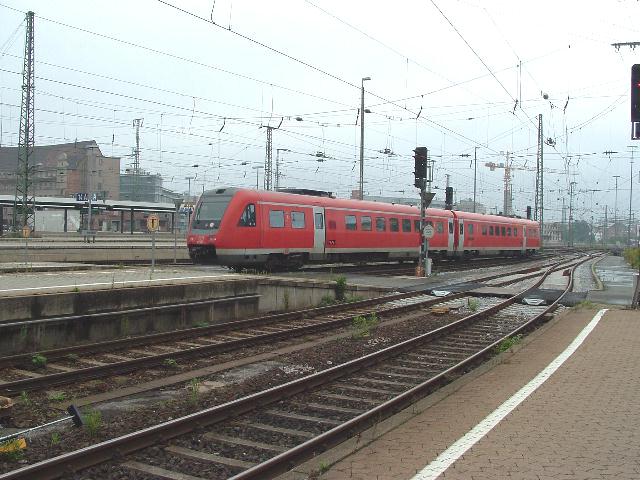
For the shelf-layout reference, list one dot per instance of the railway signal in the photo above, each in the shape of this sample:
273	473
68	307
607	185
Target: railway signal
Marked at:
635	102
423	178
448	198
420	169
153	223
635	93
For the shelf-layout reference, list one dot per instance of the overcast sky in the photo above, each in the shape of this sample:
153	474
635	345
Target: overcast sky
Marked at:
448	75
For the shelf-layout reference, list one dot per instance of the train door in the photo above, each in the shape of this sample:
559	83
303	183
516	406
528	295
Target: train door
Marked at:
460	244
317	253
524	239
451	236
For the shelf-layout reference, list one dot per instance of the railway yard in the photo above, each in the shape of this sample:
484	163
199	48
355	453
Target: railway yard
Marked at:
190	372
291	241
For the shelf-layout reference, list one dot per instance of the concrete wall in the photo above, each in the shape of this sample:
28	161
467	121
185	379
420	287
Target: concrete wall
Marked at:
89	253
23	328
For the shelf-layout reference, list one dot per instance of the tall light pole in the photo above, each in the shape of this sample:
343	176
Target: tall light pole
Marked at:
257	169
615	209
277	179
632	147
360	185
189	195
177	202
475	172
571	185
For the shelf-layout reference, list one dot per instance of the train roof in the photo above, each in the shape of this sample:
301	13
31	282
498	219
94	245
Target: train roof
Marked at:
321	201
351	204
496	218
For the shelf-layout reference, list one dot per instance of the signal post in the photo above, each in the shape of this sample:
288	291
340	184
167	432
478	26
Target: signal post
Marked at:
153	223
423	177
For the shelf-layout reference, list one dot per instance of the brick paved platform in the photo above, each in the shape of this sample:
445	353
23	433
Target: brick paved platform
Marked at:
582	423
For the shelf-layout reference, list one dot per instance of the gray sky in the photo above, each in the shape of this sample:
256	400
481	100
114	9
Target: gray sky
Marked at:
205	92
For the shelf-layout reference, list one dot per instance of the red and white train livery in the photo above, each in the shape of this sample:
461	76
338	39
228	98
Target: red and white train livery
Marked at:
241	227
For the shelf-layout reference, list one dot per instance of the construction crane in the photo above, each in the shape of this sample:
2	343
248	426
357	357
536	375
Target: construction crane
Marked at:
507	203
508	167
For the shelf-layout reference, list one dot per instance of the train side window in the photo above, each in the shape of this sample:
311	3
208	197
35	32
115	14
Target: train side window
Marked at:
450	227
503	231
297	220
508	231
515	231
490	229
416	225
319	221
439	227
394	226
381	224
406	225
470	228
484	229
462	229
350	222
276	218
365	224
248	217
497	230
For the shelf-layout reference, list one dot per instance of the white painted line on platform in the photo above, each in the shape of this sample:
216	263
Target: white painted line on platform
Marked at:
111	284
473	436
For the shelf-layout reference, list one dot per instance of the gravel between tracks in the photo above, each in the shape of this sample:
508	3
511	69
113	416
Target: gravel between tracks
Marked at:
206	392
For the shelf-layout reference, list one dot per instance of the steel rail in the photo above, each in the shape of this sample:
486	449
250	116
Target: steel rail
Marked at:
29	384
137	341
286	460
118	447
62	378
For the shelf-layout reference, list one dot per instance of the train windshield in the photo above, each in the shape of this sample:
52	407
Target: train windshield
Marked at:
209	213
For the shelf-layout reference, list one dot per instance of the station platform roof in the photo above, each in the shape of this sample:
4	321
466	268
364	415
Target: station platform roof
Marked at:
72	203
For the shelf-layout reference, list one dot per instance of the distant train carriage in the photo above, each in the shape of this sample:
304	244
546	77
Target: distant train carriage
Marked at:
243	228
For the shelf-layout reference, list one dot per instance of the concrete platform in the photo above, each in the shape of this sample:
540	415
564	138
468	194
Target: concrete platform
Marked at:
28	267
560	405
618	280
581	423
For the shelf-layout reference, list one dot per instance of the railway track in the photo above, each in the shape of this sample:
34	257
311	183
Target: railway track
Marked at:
92	361
306	415
408	268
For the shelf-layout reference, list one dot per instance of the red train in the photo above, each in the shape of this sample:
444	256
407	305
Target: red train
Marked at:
251	228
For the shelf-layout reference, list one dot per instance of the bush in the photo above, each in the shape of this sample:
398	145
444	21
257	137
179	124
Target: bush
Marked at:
326	300
170	363
93	422
39	361
363	325
340	288
473	304
507	343
632	256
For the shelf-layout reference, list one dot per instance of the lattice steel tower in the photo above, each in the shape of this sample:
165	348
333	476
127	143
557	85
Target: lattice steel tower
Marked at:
267	161
137	123
24	202
538	212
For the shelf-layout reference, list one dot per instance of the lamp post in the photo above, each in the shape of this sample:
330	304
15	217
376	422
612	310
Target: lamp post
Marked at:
189	191
360	185
615	209
571	187
475	171
632	147
177	202
257	169
278	150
